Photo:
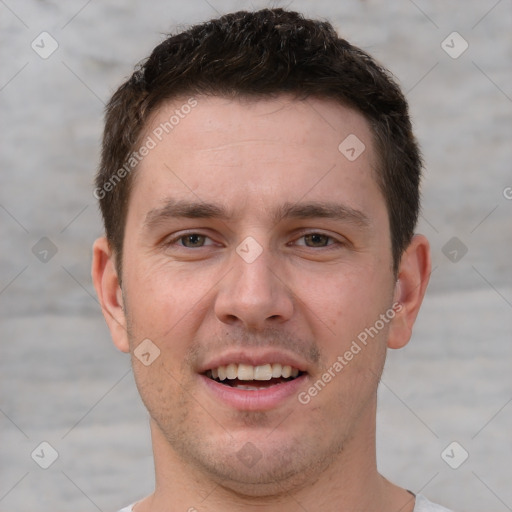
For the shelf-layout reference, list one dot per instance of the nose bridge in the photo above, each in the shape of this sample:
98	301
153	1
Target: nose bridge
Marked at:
253	294
254	274
252	283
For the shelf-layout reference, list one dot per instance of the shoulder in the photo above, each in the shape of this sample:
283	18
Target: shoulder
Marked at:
424	505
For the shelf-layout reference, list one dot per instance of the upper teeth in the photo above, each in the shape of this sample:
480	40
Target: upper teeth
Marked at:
249	372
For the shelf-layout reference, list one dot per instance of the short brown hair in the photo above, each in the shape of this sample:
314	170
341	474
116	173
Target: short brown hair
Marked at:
263	54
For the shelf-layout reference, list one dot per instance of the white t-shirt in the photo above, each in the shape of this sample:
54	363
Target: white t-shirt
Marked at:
421	505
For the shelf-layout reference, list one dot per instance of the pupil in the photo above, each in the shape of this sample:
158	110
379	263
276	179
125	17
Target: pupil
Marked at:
193	240
317	240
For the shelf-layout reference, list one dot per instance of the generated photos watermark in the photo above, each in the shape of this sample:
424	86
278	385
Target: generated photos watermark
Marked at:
356	347
150	143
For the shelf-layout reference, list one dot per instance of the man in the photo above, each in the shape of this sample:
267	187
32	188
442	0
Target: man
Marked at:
259	188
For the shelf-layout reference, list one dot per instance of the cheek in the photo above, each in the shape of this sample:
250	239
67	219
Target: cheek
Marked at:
165	394
342	291
343	303
165	303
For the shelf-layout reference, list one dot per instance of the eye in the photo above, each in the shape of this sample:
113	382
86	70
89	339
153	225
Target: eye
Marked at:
191	241
316	240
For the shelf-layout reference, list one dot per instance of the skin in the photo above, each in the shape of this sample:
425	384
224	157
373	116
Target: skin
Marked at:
309	296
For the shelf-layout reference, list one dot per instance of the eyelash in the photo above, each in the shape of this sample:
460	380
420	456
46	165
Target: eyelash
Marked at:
333	241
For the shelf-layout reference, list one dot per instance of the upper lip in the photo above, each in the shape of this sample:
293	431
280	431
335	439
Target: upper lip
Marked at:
254	358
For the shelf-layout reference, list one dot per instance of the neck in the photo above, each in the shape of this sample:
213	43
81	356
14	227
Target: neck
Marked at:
350	481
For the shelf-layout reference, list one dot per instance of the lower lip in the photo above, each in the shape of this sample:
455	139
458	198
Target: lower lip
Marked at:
257	399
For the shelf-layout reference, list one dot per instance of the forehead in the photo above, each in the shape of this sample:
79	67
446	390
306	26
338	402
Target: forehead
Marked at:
264	150
201	122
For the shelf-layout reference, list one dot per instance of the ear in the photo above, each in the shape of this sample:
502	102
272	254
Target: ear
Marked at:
106	283
413	276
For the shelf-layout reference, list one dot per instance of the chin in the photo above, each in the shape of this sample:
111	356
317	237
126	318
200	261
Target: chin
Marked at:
265	479
268	470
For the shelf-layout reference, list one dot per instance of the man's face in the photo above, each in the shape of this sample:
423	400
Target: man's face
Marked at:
252	240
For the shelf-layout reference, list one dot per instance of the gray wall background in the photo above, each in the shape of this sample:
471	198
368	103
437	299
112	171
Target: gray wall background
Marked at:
61	380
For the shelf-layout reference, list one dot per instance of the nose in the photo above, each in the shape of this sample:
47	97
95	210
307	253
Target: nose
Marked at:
254	295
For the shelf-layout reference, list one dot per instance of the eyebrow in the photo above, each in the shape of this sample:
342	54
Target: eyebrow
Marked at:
184	209
321	209
173	209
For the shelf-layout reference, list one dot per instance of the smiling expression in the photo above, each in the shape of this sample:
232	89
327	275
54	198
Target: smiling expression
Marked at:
255	252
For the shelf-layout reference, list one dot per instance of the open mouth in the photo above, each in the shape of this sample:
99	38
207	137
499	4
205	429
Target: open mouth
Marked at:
253	378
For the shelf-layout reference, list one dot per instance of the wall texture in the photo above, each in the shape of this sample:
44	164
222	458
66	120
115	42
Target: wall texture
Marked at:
61	380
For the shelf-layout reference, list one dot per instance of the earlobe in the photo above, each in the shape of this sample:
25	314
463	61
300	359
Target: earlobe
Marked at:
413	277
106	283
